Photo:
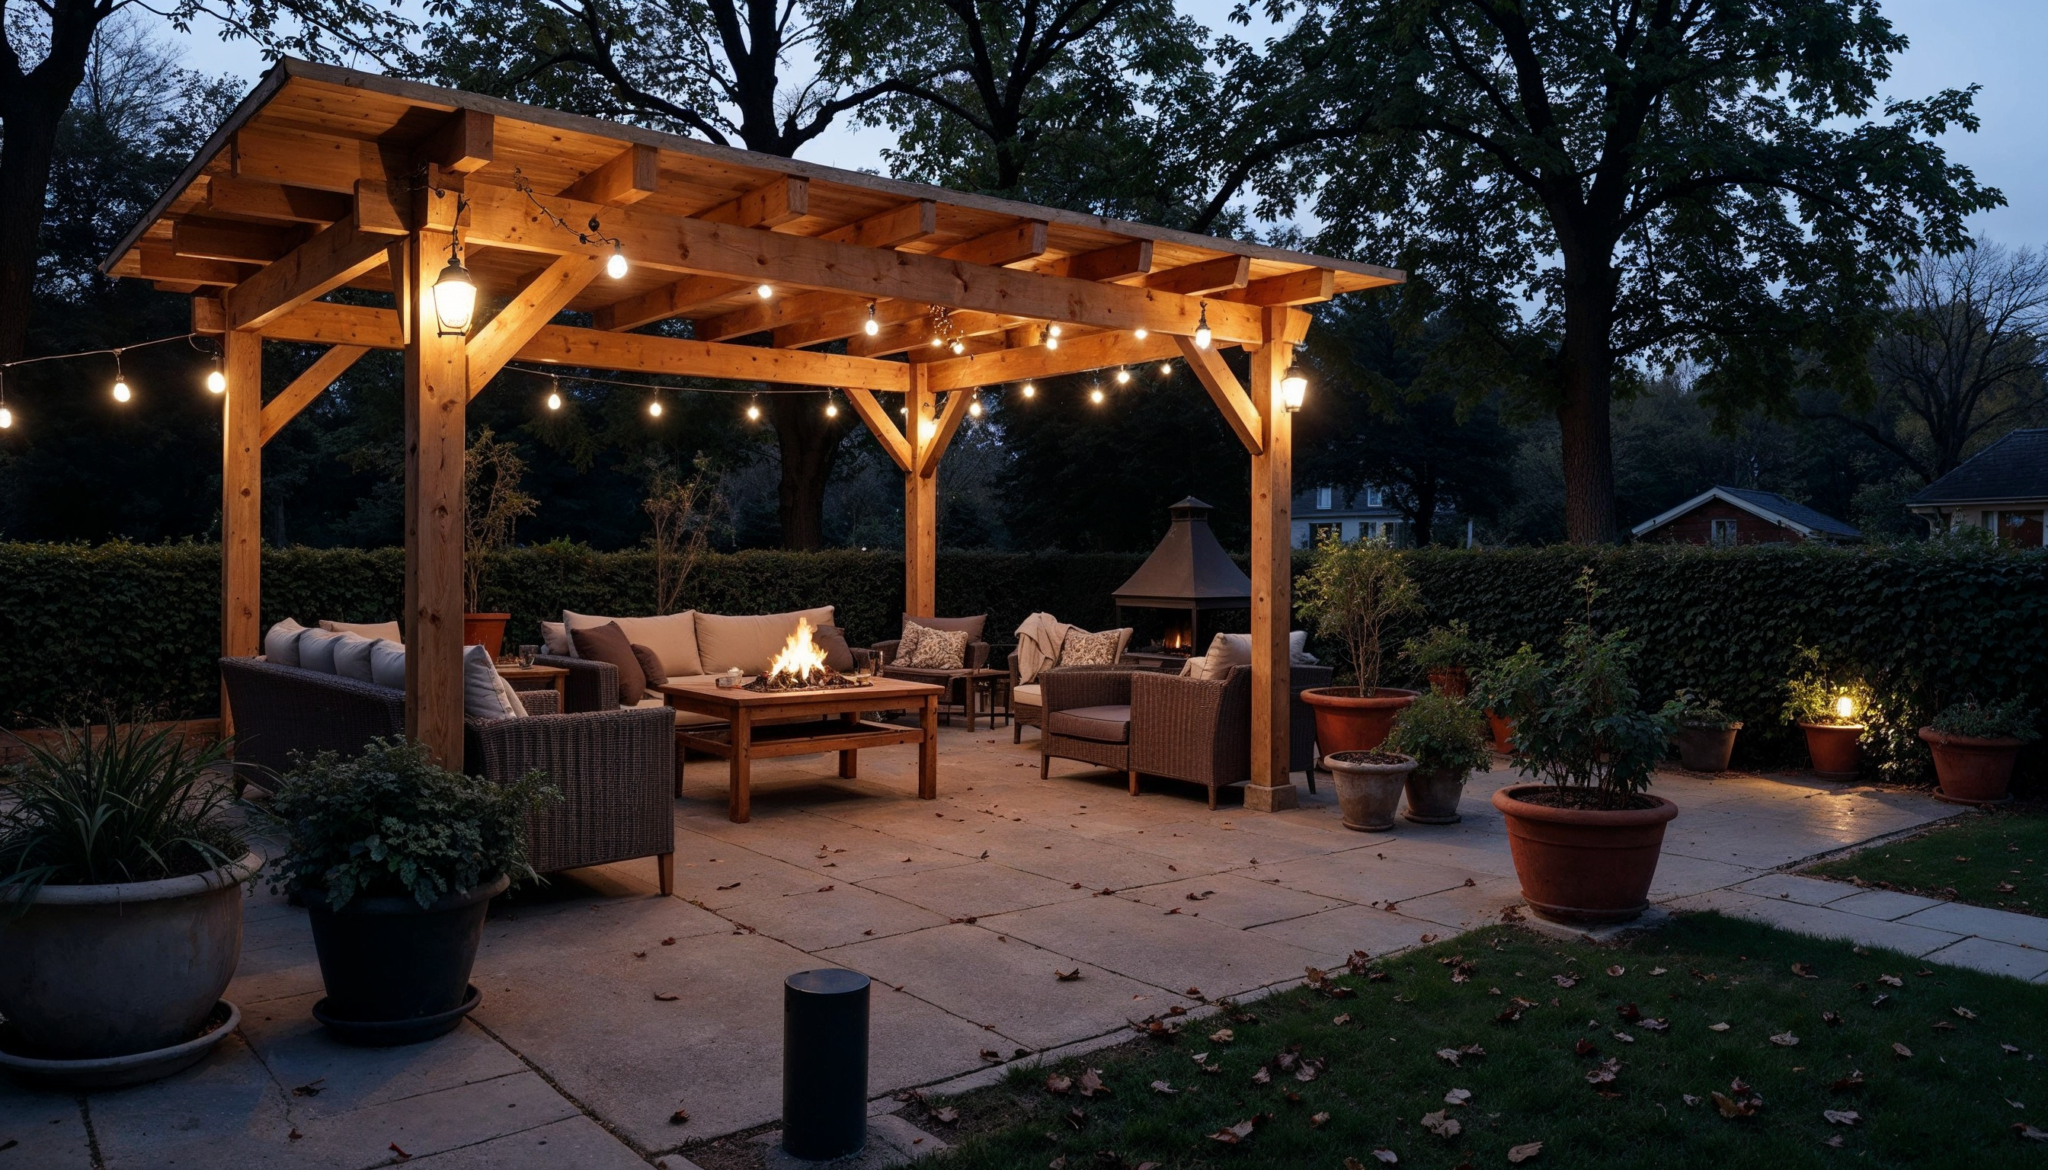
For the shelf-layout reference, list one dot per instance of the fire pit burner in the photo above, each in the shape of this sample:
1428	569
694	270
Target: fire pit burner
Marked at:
801	667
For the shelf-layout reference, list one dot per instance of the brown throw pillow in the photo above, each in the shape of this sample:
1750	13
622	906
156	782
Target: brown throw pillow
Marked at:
832	641
607	643
650	665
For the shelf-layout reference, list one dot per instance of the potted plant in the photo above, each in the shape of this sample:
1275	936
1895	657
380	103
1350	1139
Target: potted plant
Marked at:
1350	592
1446	655
120	906
1827	710
397	859
1369	784
1585	842
1974	747
1703	732
1447	739
491	471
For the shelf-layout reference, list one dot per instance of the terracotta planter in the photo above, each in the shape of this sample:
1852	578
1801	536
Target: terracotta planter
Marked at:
486	630
1451	680
1583	866
1503	733
1368	792
1706	749
1972	770
1836	749
1433	796
1348	720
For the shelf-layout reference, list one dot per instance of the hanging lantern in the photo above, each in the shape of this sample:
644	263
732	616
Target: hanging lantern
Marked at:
1293	388
454	295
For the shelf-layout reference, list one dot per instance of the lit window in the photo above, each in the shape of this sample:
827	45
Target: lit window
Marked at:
1323	499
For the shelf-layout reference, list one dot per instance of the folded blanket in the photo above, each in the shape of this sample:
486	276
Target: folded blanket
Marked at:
1038	644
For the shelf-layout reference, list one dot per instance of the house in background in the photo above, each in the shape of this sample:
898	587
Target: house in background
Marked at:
1366	515
2002	489
1725	517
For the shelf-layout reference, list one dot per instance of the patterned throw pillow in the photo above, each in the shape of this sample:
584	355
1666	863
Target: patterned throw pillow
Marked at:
1084	649
932	649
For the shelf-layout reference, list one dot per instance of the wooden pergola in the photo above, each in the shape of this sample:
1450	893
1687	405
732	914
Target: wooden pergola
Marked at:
326	178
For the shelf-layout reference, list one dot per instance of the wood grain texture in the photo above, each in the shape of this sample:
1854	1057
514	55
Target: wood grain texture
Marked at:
241	502
1271	562
306	387
436	397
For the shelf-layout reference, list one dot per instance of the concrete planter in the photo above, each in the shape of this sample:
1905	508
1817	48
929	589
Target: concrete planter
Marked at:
1368	792
97	972
1972	770
1433	795
1706	749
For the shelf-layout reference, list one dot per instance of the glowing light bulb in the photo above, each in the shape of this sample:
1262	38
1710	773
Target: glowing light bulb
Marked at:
1030	390
121	392
1095	396
454	299
1123	376
1053	330
959	346
1845	706
1166	369
764	291
753	412
831	408
654	409
1202	334
1052	337
216	382
1141	333
615	264
6	418
937	342
1293	388
872	326
974	408
554	400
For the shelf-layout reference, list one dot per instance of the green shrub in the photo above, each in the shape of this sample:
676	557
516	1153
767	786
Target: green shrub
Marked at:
1689	708
1449	647
391	821
1443	733
2007	720
1823	696
1350	592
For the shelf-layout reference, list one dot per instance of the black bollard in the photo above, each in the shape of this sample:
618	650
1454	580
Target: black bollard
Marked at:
824	1064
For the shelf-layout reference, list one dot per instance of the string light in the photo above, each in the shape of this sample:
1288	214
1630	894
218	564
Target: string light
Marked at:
871	326
938	341
1052	337
1141	333
764	291
554	394
831	405
1202	334
654	408
1030	390
974	407
615	264
1053	329
216	379
1123	376
121	391
1166	369
959	346
1095	396
754	410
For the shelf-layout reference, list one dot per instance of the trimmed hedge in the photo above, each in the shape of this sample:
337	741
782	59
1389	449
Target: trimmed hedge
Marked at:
1924	624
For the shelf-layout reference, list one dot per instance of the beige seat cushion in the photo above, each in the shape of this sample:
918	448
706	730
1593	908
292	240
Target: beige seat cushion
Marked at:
1228	650
749	642
386	630
1110	723
673	638
1027	696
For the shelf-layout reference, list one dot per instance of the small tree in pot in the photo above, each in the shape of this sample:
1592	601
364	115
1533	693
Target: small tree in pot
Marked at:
397	860
491	472
1447	655
121	876
1447	739
1350	593
1586	841
1827	709
1974	747
1702	731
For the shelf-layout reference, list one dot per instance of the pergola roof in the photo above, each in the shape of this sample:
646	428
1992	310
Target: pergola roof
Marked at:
315	145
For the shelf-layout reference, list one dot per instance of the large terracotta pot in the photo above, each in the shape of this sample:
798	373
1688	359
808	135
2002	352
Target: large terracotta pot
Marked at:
1972	770
486	630
1836	749
1503	733
1583	866
1451	680
1706	749
1433	795
1348	720
1368	791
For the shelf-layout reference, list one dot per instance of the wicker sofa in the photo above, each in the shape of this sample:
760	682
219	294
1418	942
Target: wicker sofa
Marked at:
614	768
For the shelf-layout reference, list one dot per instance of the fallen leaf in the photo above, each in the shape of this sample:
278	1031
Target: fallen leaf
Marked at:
667	996
1804	971
2009	1049
1831	1019
1965	1013
1201	897
1879	1001
1585	1047
639	954
1624	1037
1605	1074
1834	1141
1164	1087
10	1143
1066	976
991	1054
1617	970
1656	970
1841	1116
1853	1081
1077	1117
1059	1085
1448	1055
1655	1025
1629	1013
1901	1049
1717	1027
310	1089
946	1116
679	1117
402	1155
1565	981
1263	1076
733	886
1091	1083
1688	1098
1222	1036
669	942
1232	1135
1785	1040
1458	1097
1522	1153
1385	1155
1318	1120
1891	980
1342	1020
1441	1124
1730	1107
2029	1133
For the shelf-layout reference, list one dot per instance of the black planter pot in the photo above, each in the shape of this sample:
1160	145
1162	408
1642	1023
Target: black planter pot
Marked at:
1706	749
396	973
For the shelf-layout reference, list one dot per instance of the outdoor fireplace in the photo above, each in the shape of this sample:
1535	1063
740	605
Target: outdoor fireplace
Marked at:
801	667
1187	575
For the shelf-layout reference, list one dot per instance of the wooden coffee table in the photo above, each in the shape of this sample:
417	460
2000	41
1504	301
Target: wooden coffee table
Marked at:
762	725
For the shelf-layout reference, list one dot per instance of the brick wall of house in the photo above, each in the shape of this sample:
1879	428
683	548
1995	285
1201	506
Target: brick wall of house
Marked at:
1696	527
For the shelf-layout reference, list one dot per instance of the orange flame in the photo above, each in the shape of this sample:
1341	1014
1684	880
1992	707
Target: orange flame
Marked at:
800	660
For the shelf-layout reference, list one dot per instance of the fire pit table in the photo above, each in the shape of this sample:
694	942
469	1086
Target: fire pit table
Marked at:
804	722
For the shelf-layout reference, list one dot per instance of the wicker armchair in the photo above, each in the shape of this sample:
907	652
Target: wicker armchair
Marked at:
1085	715
614	768
1193	729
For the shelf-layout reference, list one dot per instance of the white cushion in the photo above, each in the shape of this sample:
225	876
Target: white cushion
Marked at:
554	638
316	650
1027	696
485	693
1228	650
281	643
352	656
387	664
749	641
386	630
673	638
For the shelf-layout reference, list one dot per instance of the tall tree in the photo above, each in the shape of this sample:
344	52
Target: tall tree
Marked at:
1590	188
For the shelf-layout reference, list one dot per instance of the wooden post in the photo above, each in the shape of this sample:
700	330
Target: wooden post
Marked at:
1272	787
920	500
436	394
241	504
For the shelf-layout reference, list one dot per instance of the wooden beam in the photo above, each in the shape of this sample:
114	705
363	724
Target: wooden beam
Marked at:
464	143
893	228
303	158
878	421
1224	391
501	217
949	425
243	243
785	199
306	387
770	206
536	305
1075	355
920	504
1132	258
819	317
283	202
241	500
917	333
156	261
632	175
1308	286
1011	245
336	255
1205	277
1272	787
436	395
849	320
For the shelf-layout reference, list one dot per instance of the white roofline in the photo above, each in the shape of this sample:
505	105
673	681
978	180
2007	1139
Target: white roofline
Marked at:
1715	493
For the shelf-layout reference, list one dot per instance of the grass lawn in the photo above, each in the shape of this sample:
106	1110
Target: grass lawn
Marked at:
1954	1101
1995	857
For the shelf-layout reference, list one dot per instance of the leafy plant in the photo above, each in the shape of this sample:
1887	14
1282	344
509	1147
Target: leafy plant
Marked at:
491	471
2008	720
681	512
1350	592
1819	695
391	821
1577	723
1443	733
1689	708
113	804
1445	647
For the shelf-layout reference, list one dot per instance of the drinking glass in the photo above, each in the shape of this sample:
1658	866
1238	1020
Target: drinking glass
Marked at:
527	655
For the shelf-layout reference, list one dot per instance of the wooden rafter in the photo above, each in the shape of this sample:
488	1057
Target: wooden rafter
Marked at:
1306	287
884	428
1011	245
336	255
536	305
632	175
942	436
1226	392
1206	277
308	386
778	204
255	199
1076	355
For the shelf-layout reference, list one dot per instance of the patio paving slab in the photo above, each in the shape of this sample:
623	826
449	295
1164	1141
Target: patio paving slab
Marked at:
2023	930
1173	952
1330	937
572	1142
47	1130
1886	904
1983	954
1822	921
1231	899
1791	887
974	889
832	915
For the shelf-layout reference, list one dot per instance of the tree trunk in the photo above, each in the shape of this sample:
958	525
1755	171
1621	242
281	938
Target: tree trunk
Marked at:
809	443
31	135
1584	409
1425	510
